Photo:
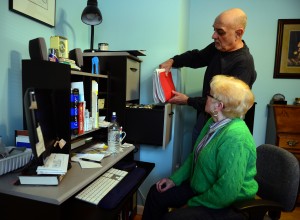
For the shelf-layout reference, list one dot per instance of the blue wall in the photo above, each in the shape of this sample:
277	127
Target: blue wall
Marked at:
163	29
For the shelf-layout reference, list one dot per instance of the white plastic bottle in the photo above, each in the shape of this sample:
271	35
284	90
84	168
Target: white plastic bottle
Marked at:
113	138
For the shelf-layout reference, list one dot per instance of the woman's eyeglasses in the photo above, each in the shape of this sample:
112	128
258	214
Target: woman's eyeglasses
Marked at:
211	96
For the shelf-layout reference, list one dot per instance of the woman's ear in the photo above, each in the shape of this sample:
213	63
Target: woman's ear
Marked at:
220	105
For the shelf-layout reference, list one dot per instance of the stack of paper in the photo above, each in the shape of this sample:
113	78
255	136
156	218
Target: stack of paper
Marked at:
55	164
87	160
51	173
162	86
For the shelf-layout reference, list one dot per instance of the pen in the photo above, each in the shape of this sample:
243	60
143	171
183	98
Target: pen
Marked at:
86	159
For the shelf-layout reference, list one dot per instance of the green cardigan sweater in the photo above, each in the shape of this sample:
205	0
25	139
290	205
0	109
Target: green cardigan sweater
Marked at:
225	169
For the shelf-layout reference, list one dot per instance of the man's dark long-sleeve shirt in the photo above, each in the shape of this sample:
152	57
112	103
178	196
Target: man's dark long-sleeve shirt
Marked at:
238	63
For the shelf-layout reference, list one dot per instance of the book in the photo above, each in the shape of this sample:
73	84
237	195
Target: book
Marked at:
80	118
163	86
32	178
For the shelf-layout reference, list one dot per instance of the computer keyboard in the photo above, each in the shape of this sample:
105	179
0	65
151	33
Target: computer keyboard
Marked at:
101	186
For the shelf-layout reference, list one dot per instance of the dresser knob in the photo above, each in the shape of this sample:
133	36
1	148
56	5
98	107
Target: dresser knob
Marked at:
292	143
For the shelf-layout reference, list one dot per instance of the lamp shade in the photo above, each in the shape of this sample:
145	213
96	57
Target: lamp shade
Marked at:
91	15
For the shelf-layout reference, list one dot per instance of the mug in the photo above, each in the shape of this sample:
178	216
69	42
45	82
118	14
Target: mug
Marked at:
103	46
122	136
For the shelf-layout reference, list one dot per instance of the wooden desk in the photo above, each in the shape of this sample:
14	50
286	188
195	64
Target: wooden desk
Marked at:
55	202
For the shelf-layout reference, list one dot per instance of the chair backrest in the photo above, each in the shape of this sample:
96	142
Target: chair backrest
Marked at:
277	175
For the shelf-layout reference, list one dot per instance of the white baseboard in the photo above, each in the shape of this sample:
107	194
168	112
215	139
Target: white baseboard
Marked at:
140	209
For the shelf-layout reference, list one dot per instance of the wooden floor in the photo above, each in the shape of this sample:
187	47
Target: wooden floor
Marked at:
295	215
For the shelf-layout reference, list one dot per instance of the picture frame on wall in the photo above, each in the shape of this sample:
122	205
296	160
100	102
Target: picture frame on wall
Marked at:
42	11
287	58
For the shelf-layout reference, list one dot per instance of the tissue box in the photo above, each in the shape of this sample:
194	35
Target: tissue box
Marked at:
14	162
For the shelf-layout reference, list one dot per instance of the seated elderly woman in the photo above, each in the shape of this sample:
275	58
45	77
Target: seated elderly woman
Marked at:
222	166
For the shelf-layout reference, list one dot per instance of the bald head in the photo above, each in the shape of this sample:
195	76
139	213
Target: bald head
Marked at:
234	18
229	28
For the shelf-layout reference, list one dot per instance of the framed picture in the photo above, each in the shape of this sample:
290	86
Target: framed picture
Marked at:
287	58
42	11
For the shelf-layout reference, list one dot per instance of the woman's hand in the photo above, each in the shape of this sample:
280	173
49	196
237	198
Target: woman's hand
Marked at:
164	184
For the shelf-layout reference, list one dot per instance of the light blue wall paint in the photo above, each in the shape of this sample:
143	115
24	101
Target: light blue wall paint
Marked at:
16	31
260	37
163	29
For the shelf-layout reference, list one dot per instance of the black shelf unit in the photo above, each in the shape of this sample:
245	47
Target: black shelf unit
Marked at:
57	76
123	71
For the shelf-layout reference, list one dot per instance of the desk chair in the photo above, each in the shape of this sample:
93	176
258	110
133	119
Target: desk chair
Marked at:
278	180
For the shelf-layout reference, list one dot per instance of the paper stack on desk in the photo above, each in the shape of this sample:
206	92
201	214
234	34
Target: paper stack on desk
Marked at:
51	173
55	164
87	160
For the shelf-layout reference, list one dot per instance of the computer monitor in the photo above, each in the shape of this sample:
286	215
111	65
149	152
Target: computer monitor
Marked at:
42	122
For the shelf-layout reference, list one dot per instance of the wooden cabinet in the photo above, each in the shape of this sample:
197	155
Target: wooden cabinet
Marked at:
283	128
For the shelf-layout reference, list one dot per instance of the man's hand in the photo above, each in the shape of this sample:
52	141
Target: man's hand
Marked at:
178	98
164	184
167	65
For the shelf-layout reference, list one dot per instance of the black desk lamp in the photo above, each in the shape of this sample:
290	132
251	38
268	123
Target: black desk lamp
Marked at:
91	15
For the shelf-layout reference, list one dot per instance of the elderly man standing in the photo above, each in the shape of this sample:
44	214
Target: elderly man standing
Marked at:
228	54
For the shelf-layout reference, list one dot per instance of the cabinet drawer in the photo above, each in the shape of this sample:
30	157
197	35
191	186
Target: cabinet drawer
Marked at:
290	142
149	126
132	80
287	118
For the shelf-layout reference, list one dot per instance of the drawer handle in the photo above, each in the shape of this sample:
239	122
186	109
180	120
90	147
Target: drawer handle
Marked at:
292	143
133	69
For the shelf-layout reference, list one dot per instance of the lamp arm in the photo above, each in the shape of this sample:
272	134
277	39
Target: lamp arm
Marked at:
92	37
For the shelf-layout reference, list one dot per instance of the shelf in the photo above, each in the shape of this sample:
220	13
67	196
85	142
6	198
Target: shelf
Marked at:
75	72
85	133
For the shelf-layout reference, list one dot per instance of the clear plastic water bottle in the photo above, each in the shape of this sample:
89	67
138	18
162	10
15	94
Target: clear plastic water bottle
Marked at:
113	138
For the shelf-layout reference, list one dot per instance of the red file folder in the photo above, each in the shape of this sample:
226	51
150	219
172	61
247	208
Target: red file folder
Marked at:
163	85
